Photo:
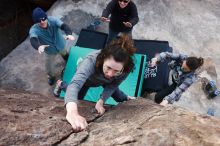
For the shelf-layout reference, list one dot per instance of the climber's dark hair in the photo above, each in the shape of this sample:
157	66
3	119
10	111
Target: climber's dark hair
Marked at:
122	50
193	62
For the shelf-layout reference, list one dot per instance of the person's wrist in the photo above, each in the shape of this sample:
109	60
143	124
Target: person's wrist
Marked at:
71	107
101	102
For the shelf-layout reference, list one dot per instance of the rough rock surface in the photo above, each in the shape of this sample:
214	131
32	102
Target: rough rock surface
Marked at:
32	119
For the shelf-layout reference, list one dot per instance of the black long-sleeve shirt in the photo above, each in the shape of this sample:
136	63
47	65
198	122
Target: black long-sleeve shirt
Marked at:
119	15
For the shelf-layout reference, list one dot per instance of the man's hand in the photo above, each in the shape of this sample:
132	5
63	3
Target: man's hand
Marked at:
99	107
153	62
69	37
105	19
164	102
42	48
77	122
127	24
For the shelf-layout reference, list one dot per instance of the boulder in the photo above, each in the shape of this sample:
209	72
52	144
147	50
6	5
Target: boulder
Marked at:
29	118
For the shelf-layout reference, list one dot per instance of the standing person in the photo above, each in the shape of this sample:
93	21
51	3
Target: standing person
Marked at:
108	68
123	17
45	36
183	75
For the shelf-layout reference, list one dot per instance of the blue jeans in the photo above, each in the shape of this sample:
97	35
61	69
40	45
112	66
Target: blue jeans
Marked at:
113	34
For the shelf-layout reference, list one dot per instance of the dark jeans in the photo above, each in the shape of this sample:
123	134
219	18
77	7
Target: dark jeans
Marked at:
118	95
113	35
164	92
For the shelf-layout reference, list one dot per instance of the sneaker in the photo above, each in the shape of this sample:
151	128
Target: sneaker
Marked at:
51	80
57	89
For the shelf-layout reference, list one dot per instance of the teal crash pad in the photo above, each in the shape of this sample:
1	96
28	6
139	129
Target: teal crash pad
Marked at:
131	86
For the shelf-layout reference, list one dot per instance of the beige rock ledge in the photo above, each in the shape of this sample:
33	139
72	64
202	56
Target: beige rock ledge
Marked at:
33	119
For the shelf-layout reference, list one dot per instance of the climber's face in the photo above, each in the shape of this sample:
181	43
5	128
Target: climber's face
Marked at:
111	68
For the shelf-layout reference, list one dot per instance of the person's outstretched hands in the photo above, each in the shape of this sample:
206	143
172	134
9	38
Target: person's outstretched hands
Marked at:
127	24
69	37
99	107
104	19
41	48
77	122
153	62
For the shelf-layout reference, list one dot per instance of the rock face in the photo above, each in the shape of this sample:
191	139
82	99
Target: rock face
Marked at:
32	119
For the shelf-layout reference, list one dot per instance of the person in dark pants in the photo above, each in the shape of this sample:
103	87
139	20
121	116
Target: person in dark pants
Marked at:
183	75
108	68
124	16
45	36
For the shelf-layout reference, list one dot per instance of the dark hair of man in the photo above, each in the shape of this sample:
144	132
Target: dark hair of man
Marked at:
193	62
122	50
